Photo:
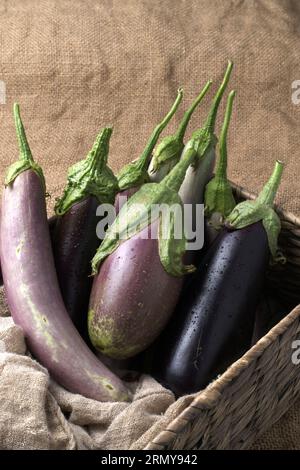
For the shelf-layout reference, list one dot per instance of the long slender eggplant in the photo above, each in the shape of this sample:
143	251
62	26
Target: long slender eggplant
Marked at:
32	289
213	323
51	222
169	150
218	197
140	278
134	174
90	183
198	175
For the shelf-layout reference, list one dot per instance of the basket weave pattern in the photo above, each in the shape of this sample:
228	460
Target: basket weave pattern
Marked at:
257	389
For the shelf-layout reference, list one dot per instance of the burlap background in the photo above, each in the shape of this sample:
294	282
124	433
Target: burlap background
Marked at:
77	65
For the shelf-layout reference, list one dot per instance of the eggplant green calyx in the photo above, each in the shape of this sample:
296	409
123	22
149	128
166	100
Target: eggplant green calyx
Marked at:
25	161
136	173
206	133
249	212
218	198
170	148
90	177
138	213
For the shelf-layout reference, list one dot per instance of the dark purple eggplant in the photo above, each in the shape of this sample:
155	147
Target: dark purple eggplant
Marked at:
52	223
213	322
32	289
75	241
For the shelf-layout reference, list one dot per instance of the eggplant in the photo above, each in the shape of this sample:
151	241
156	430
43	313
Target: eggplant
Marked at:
198	175
32	289
140	278
213	322
125	307
90	183
75	242
169	150
123	196
51	222
218	195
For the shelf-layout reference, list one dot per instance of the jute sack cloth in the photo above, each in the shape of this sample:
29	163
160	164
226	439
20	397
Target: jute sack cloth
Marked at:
75	66
36	413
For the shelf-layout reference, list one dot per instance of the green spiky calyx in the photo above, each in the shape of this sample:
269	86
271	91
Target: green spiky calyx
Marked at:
25	161
249	212
136	173
90	177
219	200
207	140
137	214
170	148
206	133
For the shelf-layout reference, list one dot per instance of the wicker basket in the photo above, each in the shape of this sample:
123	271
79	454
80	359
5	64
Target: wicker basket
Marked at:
257	389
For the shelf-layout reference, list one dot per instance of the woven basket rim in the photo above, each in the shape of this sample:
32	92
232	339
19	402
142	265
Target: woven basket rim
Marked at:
209	396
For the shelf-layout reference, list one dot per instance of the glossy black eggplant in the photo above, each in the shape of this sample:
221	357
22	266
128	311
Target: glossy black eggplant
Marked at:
213	322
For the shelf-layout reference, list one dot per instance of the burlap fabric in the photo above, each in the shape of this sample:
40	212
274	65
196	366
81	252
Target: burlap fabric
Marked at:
75	66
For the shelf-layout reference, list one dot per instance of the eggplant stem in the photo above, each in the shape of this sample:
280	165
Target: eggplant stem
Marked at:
267	195
144	158
188	114
25	161
211	118
90	176
221	170
25	152
219	199
97	157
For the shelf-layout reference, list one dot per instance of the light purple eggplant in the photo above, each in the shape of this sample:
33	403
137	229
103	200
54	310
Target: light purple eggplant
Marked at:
152	298
32	289
140	277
